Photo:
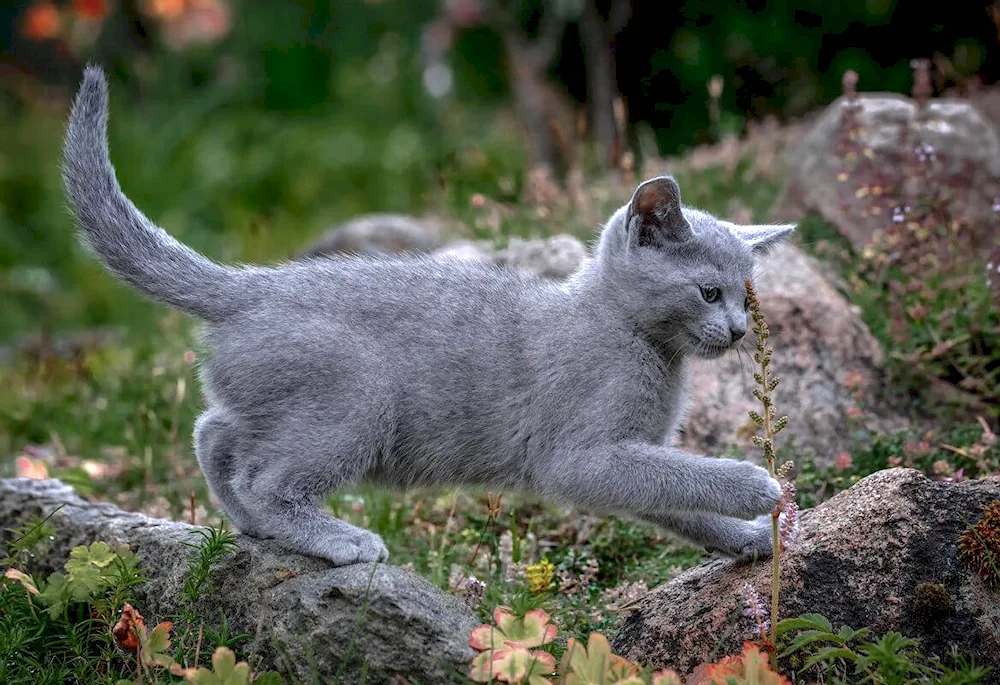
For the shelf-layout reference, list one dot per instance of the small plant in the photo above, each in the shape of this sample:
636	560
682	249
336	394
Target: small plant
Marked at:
505	649
979	545
540	576
849	656
216	542
227	671
749	668
595	664
784	518
508	654
931	602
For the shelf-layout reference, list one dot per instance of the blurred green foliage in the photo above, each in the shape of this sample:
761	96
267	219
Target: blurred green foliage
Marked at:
306	112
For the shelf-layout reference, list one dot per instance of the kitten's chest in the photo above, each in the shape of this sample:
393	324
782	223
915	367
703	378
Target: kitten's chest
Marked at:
672	400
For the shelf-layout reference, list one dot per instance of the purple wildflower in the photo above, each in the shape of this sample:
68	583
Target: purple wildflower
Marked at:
788	522
898	215
474	589
925	152
996	204
756	609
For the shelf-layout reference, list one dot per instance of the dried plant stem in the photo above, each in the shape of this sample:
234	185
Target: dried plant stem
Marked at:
771	426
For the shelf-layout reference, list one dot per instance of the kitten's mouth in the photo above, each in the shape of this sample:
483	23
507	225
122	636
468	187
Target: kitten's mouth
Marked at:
707	350
713	351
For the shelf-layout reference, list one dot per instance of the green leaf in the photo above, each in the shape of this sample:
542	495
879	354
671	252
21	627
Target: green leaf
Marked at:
129	559
848	634
810	621
225	670
85	582
827	655
99	554
269	678
154	647
54	595
807	637
85	568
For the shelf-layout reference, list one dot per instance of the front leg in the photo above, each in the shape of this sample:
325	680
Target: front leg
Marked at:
730	536
641	479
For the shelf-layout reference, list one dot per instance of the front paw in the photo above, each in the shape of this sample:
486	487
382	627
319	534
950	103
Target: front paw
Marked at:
755	492
745	540
759	543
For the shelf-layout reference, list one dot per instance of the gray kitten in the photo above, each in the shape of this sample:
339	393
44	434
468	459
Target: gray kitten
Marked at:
420	371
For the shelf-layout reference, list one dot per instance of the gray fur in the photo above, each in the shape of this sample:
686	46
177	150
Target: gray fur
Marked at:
420	371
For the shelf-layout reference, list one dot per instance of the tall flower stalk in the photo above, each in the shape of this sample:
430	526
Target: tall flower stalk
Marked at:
771	424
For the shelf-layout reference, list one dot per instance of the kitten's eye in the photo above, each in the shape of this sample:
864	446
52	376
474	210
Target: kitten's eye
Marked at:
710	294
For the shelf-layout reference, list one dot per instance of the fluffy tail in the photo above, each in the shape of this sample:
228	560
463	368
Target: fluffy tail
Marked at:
130	245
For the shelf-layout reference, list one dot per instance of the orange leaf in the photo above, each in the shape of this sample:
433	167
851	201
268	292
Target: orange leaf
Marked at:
126	631
23	578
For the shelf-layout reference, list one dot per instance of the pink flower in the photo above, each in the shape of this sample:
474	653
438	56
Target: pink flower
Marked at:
853	379
756	610
788	527
843	461
788	519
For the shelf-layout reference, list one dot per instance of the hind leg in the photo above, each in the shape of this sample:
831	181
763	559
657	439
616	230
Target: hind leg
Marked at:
216	441
284	478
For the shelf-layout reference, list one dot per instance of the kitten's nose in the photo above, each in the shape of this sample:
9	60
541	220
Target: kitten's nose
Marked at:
736	333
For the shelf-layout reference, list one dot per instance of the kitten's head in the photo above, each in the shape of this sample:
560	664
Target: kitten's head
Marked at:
680	272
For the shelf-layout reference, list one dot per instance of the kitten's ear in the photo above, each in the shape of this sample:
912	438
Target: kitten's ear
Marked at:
654	214
761	238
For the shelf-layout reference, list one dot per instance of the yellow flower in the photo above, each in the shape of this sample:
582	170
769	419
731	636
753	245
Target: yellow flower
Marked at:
540	576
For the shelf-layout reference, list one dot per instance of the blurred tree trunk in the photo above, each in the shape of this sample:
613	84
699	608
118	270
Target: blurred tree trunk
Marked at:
545	111
544	108
597	32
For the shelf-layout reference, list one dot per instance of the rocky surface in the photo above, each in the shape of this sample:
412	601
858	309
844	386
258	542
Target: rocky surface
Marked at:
374	234
890	127
379	234
830	366
858	561
302	614
556	257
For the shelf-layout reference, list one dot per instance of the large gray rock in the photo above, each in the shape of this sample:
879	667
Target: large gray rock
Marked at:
890	126
554	258
301	613
859	560
829	364
378	234
391	234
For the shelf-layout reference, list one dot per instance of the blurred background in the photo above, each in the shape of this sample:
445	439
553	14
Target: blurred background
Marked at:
247	128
